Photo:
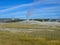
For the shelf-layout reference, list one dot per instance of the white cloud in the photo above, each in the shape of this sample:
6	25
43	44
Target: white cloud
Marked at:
15	7
23	5
39	11
50	1
16	13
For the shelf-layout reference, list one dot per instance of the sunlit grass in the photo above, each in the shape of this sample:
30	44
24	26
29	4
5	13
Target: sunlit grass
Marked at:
30	26
9	38
37	37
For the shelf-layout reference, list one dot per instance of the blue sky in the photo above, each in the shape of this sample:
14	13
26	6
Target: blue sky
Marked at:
38	9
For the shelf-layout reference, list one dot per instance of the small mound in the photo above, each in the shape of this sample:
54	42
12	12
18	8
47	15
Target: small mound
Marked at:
31	22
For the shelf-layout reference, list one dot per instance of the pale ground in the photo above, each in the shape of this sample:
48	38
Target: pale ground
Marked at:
44	24
32	33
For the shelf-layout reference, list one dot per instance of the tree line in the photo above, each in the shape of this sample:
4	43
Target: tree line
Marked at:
18	20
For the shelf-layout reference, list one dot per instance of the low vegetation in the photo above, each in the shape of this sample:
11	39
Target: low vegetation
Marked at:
30	26
34	38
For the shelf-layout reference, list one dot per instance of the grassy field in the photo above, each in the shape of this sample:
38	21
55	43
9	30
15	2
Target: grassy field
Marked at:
30	26
36	37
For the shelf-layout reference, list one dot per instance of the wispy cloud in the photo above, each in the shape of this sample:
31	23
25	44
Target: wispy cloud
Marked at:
47	8
50	1
40	11
24	5
17	13
15	7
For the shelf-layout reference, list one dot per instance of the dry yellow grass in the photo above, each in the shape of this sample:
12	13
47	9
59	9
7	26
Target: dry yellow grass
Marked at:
54	42
29	26
9	38
34	38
